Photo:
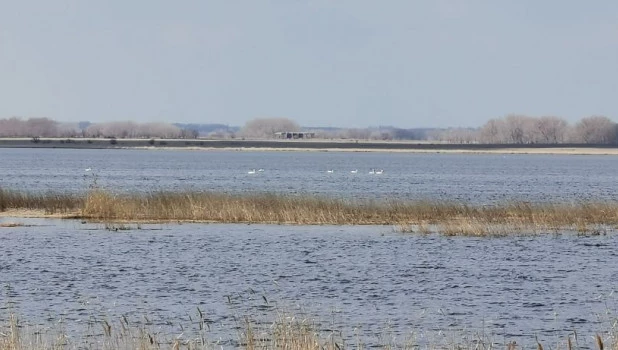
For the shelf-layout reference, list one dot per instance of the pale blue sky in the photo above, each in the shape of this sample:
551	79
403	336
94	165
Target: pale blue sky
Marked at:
322	63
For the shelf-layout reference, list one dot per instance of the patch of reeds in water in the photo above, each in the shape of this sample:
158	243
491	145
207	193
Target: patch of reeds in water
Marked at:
412	216
246	208
452	218
285	332
50	203
426	217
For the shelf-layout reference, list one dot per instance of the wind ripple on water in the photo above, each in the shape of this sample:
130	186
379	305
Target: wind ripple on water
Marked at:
362	278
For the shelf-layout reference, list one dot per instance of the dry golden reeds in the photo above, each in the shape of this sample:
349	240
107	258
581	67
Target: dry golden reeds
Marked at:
285	332
50	203
412	216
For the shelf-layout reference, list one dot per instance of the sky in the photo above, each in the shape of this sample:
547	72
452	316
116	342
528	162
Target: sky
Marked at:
336	63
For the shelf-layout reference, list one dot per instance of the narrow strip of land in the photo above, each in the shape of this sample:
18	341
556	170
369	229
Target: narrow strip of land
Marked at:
307	145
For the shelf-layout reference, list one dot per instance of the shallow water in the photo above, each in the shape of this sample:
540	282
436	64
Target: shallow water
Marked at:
476	178
362	280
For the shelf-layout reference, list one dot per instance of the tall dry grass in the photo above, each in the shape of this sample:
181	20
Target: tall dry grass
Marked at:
247	208
50	203
418	216
286	332
446	218
102	335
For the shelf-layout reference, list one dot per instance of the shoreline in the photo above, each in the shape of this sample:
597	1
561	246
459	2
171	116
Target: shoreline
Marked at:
314	145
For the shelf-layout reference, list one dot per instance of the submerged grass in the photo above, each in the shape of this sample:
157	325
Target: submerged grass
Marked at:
413	216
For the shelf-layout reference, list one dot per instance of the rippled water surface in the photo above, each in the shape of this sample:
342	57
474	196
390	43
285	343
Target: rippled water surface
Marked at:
481	178
364	278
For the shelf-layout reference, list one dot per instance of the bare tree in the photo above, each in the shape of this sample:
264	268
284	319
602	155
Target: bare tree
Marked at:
129	129
519	129
32	127
551	129
189	133
267	127
457	135
41	127
596	129
12	127
493	131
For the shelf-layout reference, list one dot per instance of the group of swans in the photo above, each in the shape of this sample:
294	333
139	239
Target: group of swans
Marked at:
355	171
329	171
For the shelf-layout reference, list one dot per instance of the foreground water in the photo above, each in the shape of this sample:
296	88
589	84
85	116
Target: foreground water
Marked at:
476	178
362	280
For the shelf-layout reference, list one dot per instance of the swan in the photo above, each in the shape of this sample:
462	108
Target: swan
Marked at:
354	171
252	171
330	171
379	171
87	169
260	170
372	171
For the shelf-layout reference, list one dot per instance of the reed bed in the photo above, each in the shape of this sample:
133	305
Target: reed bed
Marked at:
285	332
50	203
448	218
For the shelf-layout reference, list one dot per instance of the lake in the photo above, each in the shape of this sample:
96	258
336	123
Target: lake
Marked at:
366	280
471	178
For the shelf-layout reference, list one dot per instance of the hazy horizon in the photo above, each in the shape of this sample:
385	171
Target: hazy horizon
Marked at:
444	63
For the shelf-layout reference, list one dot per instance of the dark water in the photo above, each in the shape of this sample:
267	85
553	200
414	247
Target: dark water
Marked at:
362	280
479	178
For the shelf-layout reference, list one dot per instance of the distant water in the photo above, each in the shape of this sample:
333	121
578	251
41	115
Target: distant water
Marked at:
366	280
477	178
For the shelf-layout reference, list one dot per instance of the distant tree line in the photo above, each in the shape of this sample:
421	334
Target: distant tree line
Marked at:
132	130
266	128
521	129
45	127
214	131
35	127
511	129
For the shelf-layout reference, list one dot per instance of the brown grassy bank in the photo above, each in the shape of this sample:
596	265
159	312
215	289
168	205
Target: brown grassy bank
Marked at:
417	216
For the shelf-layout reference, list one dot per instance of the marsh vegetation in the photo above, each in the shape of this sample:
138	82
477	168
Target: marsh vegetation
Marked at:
449	218
284	331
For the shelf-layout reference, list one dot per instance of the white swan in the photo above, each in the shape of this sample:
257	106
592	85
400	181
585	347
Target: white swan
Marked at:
372	171
252	171
87	169
381	171
330	171
354	171
260	170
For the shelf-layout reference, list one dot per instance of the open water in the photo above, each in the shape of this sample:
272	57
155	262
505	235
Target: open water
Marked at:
477	178
369	281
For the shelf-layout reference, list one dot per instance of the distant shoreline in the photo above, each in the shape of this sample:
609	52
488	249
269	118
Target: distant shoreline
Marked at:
307	145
